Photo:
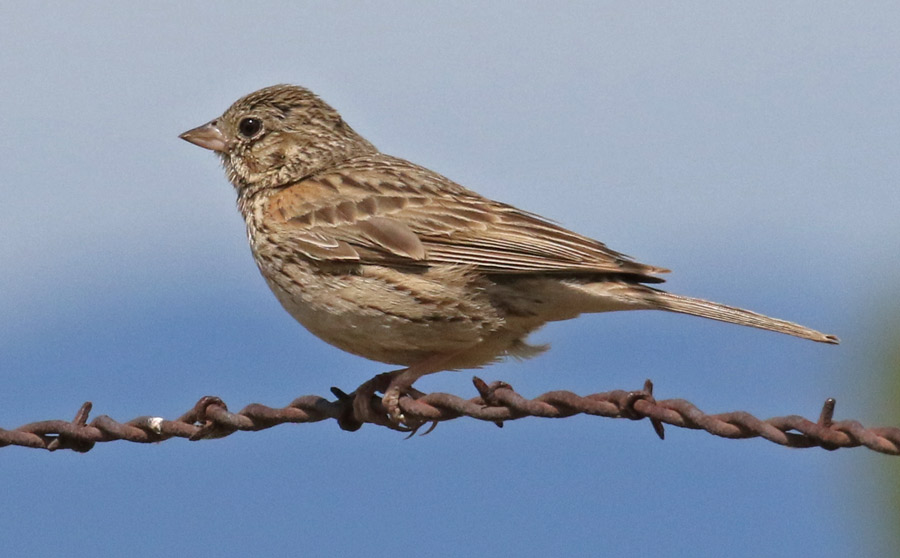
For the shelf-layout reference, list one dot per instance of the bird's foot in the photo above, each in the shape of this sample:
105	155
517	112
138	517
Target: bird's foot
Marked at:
367	407
384	411
400	385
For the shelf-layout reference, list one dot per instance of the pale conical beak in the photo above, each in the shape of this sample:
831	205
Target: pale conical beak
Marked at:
207	136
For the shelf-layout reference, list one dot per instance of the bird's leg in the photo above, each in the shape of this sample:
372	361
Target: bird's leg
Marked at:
402	381
364	397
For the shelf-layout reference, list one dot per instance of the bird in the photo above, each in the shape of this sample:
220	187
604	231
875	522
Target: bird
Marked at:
391	261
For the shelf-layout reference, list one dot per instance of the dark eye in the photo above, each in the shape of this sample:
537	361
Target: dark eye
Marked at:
249	127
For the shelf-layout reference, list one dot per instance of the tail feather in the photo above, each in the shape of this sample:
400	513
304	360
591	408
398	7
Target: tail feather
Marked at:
704	308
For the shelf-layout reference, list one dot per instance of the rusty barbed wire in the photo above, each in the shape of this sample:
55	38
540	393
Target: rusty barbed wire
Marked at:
497	402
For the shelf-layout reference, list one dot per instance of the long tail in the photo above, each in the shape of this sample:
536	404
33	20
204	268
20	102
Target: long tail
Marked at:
663	300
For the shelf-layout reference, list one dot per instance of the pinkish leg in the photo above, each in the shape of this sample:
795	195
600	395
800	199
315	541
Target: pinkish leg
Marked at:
403	380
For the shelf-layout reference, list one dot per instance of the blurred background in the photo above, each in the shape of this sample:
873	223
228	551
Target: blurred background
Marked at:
753	149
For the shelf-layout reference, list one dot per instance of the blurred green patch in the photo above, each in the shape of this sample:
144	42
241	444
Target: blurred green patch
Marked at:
889	404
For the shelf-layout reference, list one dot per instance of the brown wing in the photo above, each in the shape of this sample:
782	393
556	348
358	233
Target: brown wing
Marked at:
396	213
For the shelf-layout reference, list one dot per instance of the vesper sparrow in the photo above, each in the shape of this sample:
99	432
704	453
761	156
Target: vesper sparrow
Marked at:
394	262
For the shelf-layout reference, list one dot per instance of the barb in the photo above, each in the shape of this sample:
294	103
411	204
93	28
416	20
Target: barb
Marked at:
497	402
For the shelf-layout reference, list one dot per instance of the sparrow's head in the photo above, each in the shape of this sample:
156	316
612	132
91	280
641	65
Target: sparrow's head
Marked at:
278	135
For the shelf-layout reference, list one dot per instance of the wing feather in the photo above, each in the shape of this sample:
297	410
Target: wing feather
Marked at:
401	214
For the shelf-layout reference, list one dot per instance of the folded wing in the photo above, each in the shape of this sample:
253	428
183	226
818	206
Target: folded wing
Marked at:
392	217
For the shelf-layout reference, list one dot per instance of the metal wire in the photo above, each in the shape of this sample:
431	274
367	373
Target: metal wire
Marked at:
497	402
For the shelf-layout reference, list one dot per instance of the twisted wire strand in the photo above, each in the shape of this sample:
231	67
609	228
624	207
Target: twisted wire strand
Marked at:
497	402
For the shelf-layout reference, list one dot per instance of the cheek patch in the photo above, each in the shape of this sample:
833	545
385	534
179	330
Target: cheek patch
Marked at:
276	158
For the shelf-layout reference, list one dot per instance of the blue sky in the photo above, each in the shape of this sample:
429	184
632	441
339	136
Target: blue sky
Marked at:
752	149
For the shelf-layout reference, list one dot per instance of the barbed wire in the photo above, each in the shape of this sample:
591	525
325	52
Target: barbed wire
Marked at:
497	402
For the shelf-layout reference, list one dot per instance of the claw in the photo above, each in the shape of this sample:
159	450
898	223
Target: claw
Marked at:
394	385
367	407
391	402
401	386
